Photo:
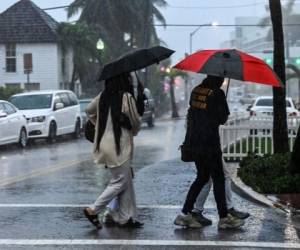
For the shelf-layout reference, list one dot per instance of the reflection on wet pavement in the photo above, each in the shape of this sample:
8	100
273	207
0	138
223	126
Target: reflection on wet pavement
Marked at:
161	182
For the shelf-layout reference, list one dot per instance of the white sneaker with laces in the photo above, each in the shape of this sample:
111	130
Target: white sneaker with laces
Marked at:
230	222
187	221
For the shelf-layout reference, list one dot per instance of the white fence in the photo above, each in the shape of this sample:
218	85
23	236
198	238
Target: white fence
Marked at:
241	135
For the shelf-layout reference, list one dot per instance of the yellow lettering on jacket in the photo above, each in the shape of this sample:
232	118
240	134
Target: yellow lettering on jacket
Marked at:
199	105
203	91
199	97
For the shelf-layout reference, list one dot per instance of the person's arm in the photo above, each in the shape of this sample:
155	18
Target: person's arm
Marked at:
91	109
129	108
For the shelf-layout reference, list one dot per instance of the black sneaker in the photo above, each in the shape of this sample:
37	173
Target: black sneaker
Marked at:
132	224
238	214
198	216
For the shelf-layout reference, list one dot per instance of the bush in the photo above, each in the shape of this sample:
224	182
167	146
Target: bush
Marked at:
6	92
269	174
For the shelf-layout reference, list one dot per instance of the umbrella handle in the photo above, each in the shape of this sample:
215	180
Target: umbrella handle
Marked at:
227	87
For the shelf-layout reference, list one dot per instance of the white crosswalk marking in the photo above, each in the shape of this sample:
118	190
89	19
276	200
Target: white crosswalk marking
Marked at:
65	242
155	206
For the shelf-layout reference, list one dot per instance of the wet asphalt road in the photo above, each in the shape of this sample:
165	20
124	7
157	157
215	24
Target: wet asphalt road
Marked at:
45	187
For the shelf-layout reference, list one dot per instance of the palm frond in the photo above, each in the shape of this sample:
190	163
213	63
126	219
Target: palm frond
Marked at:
75	7
160	3
158	15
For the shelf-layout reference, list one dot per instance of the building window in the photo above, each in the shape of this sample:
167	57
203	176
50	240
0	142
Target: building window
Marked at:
28	63
11	60
13	85
32	86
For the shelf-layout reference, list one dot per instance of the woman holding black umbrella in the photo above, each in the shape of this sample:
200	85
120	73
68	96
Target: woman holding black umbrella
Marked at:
116	120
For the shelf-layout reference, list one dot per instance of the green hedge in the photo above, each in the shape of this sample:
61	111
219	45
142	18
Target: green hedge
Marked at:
6	92
269	174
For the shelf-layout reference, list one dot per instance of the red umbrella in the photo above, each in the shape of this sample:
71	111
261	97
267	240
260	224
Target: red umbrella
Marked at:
230	63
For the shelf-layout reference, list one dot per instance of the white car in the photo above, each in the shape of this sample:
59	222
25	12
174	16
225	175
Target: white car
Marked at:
263	108
50	113
13	125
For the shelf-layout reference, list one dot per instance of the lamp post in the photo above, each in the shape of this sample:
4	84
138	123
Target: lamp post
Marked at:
195	31
100	46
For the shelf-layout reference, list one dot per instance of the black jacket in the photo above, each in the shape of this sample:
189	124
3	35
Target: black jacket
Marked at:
208	110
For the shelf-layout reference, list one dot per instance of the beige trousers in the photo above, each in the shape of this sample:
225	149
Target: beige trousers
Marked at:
120	187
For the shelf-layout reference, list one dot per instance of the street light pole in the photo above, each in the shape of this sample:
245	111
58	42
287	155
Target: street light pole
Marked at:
146	36
196	30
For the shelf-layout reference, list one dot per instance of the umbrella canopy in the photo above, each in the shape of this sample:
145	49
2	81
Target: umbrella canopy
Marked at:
230	63
135	60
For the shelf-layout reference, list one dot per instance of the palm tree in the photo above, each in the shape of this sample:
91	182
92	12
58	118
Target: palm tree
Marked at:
113	20
83	42
280	133
172	74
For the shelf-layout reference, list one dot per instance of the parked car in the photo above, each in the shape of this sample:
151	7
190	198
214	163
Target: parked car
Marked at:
83	104
149	114
263	107
13	125
50	113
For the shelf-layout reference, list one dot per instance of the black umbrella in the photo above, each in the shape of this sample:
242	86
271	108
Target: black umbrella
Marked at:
135	60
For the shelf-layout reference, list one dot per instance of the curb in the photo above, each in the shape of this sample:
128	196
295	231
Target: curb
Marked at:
253	195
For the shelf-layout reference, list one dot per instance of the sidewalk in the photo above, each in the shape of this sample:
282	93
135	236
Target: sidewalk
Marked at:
273	201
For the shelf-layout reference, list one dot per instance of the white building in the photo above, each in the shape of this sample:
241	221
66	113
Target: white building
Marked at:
31	56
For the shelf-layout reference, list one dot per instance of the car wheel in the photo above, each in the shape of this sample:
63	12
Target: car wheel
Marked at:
77	132
150	122
23	139
52	133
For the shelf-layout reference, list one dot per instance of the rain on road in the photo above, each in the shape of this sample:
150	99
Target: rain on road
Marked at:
45	187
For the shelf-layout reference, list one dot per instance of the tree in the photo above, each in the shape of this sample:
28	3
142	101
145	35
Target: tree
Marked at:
6	92
83	42
172	74
280	132
119	24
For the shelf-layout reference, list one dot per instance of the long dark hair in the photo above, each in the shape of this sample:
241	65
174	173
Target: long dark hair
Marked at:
111	99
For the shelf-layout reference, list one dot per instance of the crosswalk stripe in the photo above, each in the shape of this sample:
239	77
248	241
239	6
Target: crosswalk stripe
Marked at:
68	242
150	206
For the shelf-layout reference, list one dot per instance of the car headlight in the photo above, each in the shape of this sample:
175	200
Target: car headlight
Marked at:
38	119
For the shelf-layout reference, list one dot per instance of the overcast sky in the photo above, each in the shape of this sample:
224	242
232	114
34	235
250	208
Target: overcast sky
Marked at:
184	12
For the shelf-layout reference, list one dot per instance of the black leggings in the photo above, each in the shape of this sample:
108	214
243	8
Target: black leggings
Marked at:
208	167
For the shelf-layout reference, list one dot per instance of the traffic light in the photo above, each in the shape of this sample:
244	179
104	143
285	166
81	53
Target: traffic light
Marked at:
268	61
297	61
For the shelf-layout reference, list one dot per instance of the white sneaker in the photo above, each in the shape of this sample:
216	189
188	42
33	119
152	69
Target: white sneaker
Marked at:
187	221
230	222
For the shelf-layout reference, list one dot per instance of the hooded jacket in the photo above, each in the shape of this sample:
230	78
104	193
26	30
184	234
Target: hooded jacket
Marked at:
208	110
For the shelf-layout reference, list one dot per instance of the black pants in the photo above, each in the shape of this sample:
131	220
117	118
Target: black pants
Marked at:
208	167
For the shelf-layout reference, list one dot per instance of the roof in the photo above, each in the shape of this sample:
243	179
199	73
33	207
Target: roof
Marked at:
24	22
43	92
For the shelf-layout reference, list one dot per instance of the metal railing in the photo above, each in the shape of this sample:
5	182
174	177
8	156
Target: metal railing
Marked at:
242	135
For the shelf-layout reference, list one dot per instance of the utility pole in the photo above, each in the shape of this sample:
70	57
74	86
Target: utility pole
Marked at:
146	35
